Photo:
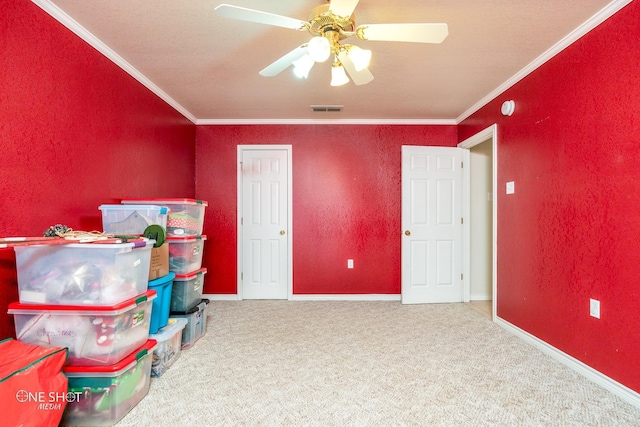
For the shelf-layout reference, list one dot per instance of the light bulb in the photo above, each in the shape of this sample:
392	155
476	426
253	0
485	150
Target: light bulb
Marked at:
302	66
338	76
319	49
359	57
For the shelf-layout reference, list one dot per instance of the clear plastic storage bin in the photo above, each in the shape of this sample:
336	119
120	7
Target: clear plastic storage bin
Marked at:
132	219
83	273
196	326
169	346
103	395
185	217
187	290
185	253
95	336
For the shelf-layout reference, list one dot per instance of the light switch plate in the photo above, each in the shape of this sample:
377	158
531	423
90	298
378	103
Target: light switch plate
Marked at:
594	308
511	188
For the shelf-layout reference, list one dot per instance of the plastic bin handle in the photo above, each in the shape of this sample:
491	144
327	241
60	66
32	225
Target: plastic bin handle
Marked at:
142	353
141	299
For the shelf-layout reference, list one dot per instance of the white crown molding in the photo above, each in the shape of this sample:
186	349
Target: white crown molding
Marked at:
81	32
565	42
85	35
325	122
581	368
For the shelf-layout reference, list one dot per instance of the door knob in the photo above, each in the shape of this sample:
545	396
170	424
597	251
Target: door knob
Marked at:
407	233
282	232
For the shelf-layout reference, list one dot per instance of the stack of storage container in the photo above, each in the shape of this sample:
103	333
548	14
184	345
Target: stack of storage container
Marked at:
93	299
145	219
185	221
140	220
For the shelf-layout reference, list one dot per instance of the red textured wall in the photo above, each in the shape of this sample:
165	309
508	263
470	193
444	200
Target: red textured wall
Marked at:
346	202
571	230
76	132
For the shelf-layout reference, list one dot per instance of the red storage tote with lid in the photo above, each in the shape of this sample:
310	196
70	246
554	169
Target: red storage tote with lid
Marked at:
100	273
94	335
185	216
185	253
105	394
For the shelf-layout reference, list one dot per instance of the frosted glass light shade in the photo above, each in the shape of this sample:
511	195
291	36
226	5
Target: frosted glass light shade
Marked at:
338	76
359	57
319	49
302	66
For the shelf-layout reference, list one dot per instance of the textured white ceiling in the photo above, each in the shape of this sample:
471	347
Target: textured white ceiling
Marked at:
207	66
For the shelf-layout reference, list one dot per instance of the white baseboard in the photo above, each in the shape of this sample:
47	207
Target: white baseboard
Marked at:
221	297
622	391
345	297
316	297
480	297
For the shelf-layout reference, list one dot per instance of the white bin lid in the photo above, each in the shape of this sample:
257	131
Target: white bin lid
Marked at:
174	325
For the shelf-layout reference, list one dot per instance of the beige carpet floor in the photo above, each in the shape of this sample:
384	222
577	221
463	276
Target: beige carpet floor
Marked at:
348	363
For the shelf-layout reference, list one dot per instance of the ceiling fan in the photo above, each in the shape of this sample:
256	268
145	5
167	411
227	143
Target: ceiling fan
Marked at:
329	24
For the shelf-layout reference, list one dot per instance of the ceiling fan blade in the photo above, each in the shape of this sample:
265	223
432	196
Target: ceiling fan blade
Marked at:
361	77
251	15
281	64
343	8
420	33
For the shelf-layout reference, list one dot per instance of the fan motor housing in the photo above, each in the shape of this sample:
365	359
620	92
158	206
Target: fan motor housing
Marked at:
321	21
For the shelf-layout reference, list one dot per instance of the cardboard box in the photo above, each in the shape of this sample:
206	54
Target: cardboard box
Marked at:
159	264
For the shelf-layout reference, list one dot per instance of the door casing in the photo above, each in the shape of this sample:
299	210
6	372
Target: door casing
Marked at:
490	132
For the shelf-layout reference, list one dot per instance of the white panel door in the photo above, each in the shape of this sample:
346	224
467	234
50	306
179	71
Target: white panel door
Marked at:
431	224
264	222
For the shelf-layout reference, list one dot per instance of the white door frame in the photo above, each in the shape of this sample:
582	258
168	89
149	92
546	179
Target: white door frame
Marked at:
239	252
489	133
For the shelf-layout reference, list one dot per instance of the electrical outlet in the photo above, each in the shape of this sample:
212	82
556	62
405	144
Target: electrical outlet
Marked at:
594	308
349	263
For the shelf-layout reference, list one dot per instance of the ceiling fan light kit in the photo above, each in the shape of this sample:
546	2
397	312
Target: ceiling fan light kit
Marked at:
319	49
329	24
338	75
360	57
302	66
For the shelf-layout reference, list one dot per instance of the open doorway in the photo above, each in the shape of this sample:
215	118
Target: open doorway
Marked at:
481	227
